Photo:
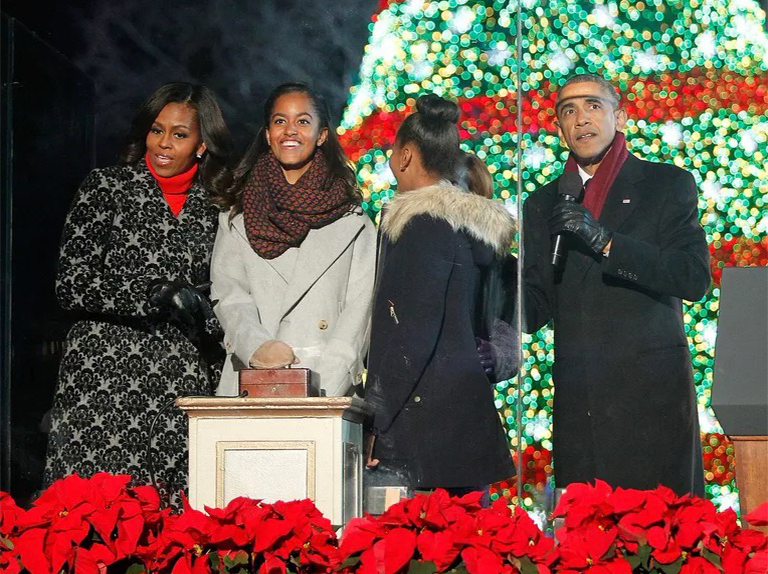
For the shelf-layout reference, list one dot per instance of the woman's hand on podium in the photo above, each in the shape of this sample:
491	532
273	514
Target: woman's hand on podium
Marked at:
273	354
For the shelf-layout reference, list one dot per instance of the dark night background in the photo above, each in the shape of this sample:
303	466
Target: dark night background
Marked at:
239	48
73	74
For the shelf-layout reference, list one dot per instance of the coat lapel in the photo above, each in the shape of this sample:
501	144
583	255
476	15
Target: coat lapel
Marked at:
624	195
283	266
619	205
317	253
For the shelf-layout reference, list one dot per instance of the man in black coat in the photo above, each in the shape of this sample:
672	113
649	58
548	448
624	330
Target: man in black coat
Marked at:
625	408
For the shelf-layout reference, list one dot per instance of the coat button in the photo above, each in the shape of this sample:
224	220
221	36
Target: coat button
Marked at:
322	324
417	399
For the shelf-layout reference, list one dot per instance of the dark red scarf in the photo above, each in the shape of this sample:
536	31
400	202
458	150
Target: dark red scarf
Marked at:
174	188
278	215
598	187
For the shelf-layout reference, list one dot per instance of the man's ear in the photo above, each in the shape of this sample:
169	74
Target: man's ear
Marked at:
621	119
559	130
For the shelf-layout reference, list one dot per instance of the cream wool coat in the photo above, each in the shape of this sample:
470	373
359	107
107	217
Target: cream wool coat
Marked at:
315	297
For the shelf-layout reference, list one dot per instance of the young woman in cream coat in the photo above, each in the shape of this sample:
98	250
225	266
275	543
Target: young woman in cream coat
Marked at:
293	263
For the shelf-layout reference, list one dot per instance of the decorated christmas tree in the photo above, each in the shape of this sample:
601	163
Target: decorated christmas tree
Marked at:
694	75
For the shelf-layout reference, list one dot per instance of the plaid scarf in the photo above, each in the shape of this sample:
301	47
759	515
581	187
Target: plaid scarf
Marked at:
279	215
597	188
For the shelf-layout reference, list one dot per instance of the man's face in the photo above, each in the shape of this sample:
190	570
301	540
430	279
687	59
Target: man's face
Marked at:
588	122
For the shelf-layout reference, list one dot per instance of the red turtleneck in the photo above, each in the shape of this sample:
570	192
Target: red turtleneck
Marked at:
174	188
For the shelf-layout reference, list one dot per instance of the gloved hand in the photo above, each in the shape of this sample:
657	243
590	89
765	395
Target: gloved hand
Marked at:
577	220
182	299
485	354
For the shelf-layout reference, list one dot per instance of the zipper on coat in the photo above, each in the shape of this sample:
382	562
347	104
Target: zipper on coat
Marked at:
392	312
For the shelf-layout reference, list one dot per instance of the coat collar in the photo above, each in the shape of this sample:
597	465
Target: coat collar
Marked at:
197	206
483	219
320	248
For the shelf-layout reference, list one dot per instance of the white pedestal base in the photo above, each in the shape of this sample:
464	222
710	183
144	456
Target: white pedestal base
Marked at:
277	449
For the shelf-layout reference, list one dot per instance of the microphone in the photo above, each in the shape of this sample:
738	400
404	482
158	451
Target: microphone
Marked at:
570	187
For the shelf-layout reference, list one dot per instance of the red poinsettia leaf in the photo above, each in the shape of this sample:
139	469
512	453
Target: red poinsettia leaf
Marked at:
74	491
758	564
623	500
759	516
128	533
109	487
201	565
732	560
399	548
616	566
727	522
149	502
359	534
101	554
480	560
29	547
183	565
85	563
688	535
667	495
9	513
104	520
229	533
272	565
698	565
229	512
667	555
749	540
9	564
438	547
271	531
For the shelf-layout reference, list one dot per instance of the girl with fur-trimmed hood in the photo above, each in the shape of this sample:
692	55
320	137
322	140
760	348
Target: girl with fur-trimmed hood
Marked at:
435	421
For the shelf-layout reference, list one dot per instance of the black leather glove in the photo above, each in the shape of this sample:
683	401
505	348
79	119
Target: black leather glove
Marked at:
187	302
485	354
576	219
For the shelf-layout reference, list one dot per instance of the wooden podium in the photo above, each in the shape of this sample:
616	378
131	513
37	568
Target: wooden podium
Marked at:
277	449
751	453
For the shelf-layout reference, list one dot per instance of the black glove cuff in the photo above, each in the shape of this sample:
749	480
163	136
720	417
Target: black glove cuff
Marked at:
601	239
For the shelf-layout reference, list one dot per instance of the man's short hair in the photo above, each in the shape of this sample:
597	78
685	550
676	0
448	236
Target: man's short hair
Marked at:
610	91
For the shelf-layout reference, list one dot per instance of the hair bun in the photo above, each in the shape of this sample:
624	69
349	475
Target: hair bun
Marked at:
433	108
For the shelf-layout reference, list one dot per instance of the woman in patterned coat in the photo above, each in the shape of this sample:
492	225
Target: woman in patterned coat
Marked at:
293	265
137	240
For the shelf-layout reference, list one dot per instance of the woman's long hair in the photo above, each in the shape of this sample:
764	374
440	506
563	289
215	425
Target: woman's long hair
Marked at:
213	173
338	164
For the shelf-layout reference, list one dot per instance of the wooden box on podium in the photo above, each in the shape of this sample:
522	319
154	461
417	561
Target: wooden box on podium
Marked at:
277	449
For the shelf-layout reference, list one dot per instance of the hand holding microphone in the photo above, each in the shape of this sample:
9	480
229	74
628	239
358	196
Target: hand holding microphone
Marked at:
569	216
570	189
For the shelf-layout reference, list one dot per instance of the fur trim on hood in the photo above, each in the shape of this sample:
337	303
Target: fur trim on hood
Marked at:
483	219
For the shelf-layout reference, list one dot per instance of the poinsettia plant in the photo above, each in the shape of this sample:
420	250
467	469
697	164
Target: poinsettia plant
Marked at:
437	533
655	531
102	525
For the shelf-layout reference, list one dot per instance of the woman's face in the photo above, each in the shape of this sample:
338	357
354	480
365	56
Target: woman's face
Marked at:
294	133
174	140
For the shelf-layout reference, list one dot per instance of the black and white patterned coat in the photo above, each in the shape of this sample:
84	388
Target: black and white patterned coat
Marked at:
124	361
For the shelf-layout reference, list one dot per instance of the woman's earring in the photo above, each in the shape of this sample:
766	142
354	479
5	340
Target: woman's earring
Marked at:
199	156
